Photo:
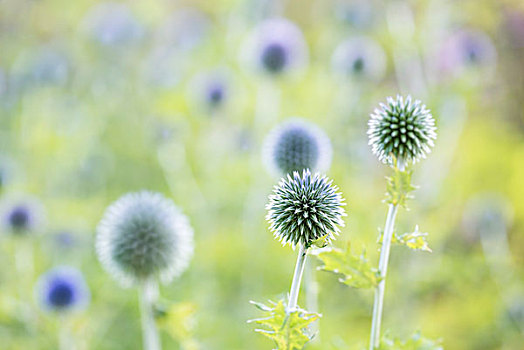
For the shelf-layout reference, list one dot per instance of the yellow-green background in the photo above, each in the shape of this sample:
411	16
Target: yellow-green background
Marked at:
79	145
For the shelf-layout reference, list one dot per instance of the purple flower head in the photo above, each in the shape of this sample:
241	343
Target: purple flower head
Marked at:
62	289
359	57
210	89
22	217
276	46
112	24
466	49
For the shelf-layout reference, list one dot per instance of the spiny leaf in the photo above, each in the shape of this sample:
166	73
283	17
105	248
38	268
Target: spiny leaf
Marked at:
415	342
399	187
287	330
178	319
415	240
355	270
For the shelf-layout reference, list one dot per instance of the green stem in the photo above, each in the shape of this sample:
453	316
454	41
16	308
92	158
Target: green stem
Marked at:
297	277
382	267
148	294
378	304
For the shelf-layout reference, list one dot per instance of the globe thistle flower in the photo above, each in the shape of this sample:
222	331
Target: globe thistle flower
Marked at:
22	217
401	129
467	48
359	57
276	46
144	235
296	145
62	289
305	208
184	30
112	24
40	66
487	214
210	89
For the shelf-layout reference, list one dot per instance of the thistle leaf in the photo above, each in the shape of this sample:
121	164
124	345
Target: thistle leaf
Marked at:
354	270
415	240
399	187
288	330
415	342
179	321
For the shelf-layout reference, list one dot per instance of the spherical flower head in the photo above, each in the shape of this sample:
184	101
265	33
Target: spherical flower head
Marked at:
22	217
276	46
62	289
112	24
466	49
359	57
488	215
401	129
304	208
296	145
210	89
144	235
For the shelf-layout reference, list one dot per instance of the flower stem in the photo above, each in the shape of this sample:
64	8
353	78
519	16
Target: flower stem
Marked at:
148	295
378	304
297	277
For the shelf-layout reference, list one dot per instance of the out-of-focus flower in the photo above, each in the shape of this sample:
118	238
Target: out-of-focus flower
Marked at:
401	129
183	30
144	235
62	289
210	89
358	13
23	217
275	47
296	145
40	66
466	49
112	24
303	209
486	214
359	57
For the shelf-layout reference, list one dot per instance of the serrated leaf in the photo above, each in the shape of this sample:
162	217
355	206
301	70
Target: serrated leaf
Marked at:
415	342
354	270
288	330
178	320
415	240
399	187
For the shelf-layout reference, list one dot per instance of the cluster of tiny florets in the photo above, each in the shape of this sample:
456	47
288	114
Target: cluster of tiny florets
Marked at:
297	145
144	235
401	129
305	208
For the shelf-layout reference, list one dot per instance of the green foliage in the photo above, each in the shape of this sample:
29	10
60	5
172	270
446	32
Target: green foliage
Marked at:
399	187
178	320
415	240
287	330
415	342
355	270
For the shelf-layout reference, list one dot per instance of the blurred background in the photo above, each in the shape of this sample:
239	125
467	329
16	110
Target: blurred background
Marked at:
101	98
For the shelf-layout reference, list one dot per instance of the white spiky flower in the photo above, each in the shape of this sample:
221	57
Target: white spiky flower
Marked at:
401	129
303	209
144	235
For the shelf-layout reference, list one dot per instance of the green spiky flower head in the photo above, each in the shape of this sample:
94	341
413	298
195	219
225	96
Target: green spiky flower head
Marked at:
303	209
401	129
144	235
